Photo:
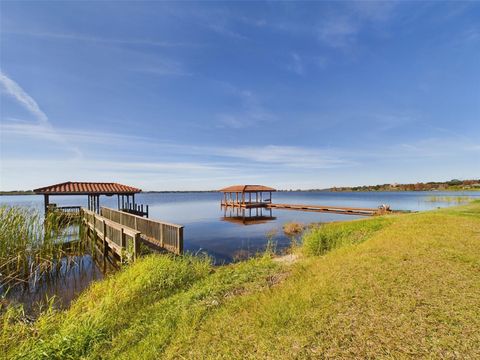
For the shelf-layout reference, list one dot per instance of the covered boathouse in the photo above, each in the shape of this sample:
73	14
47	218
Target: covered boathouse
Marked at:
247	196
125	196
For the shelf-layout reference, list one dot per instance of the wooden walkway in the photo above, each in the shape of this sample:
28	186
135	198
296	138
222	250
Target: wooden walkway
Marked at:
121	233
308	207
152	232
114	238
330	209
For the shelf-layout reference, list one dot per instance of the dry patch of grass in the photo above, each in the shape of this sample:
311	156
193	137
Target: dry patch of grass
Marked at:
293	228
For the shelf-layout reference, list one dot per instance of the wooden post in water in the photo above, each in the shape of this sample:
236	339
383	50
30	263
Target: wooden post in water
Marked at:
46	202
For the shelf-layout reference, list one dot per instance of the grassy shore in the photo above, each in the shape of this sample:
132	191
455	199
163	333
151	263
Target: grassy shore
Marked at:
386	287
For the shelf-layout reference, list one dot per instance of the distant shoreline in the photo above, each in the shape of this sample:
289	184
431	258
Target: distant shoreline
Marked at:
332	190
452	185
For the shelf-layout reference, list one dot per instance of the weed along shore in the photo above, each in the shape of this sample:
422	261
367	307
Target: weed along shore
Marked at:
392	286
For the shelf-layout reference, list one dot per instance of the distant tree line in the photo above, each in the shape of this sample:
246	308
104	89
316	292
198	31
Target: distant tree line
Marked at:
17	192
454	184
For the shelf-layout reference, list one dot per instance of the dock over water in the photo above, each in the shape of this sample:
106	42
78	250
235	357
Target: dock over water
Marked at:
260	196
118	232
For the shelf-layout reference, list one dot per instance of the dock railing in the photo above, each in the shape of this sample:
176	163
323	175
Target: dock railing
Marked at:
119	238
165	235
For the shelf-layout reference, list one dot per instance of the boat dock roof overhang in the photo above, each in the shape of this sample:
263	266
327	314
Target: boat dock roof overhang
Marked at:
247	189
93	190
87	188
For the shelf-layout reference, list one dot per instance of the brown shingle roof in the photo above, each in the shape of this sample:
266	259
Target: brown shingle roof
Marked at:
247	188
82	188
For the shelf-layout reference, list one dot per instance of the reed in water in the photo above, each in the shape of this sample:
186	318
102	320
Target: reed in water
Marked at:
31	247
450	199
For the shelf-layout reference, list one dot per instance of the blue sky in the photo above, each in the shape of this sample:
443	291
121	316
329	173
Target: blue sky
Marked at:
176	96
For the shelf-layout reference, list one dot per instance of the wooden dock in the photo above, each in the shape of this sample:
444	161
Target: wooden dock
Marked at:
331	209
152	232
115	239
120	233
245	204
309	207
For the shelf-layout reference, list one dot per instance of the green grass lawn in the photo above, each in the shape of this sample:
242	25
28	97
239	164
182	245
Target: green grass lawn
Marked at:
402	286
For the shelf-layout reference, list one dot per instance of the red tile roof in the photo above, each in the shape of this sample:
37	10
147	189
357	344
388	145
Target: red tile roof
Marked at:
247	188
86	188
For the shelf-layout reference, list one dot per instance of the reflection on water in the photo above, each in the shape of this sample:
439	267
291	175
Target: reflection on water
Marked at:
222	233
251	216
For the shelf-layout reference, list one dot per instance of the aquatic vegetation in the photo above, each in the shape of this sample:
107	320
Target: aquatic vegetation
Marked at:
293	228
31	247
450	199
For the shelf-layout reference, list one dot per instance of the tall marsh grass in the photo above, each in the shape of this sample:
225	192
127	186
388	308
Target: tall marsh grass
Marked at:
450	199
32	247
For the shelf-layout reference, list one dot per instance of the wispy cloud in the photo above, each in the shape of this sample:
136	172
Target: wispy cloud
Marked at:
340	30
222	29
257	22
472	34
163	67
14	90
288	156
373	10
297	64
102	40
252	112
26	129
42	125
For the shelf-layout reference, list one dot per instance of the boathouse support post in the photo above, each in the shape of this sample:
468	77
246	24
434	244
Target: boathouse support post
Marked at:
46	203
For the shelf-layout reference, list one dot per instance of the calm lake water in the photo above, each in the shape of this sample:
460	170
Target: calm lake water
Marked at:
208	229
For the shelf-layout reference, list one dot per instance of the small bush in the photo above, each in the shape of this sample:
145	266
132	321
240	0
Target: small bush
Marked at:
293	228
